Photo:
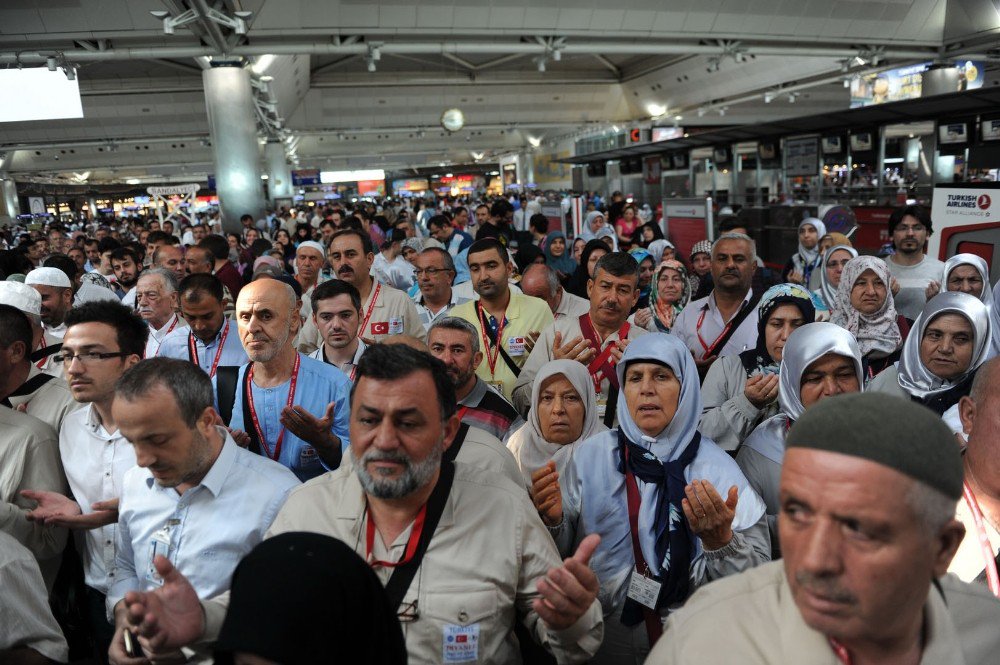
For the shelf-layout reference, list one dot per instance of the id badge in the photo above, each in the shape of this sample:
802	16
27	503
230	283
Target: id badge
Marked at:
496	385
602	405
396	325
516	346
644	590
159	545
461	644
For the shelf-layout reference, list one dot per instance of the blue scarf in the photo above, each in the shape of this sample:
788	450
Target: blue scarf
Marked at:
674	539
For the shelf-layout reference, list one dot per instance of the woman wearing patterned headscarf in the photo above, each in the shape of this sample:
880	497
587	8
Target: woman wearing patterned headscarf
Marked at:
820	360
865	309
950	340
655	456
740	390
669	293
701	269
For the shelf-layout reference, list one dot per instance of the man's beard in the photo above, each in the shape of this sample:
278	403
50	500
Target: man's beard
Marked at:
266	354
194	464
414	476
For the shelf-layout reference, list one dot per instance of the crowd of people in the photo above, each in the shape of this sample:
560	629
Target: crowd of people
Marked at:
450	432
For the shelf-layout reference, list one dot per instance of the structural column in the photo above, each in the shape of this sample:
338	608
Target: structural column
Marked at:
9	206
279	176
233	128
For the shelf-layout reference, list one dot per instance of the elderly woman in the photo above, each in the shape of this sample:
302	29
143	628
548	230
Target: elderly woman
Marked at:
563	415
820	360
967	273
831	268
740	390
670	292
800	266
592	224
673	510
866	310
950	340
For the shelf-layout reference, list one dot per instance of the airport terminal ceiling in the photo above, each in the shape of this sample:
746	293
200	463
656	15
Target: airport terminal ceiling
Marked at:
358	83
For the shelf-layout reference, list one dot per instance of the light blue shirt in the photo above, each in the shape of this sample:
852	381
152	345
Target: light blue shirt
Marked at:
211	526
318	385
175	345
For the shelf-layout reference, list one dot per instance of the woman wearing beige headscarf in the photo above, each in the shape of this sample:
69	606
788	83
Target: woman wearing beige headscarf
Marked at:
563	414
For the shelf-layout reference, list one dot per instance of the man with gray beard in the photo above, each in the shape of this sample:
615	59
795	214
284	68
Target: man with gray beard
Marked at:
288	406
461	551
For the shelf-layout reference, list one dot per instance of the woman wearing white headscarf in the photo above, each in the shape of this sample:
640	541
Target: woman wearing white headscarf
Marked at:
830	271
865	309
950	340
657	461
554	428
812	367
800	266
967	273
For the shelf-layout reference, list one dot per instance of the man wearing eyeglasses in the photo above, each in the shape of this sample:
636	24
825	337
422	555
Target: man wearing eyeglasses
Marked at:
910	227
435	271
103	339
463	555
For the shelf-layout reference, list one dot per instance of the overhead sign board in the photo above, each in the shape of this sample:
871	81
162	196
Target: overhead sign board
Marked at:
802	157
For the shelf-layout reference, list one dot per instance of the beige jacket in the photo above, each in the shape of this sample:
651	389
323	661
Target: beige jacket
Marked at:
542	353
51	403
752	619
482	567
29	460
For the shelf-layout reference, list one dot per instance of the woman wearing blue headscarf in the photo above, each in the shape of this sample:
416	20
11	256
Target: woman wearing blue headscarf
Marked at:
646	269
672	509
557	255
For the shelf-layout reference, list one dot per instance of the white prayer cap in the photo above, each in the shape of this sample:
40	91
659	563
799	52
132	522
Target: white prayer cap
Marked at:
21	296
313	245
47	277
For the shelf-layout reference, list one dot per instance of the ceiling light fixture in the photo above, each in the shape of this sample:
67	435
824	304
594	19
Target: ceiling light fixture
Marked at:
656	110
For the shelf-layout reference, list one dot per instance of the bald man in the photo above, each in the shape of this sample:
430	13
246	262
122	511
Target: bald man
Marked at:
540	281
292	408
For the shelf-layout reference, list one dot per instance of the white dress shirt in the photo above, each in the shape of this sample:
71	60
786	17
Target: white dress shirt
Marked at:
696	337
157	335
95	463
210	527
348	368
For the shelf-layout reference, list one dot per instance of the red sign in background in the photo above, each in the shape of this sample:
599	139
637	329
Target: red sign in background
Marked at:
873	228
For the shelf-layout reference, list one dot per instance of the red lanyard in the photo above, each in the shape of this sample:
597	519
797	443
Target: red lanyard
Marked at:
992	576
371	308
411	544
41	363
843	655
218	354
253	411
697	330
491	358
597	363
172	325
462	411
654	628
